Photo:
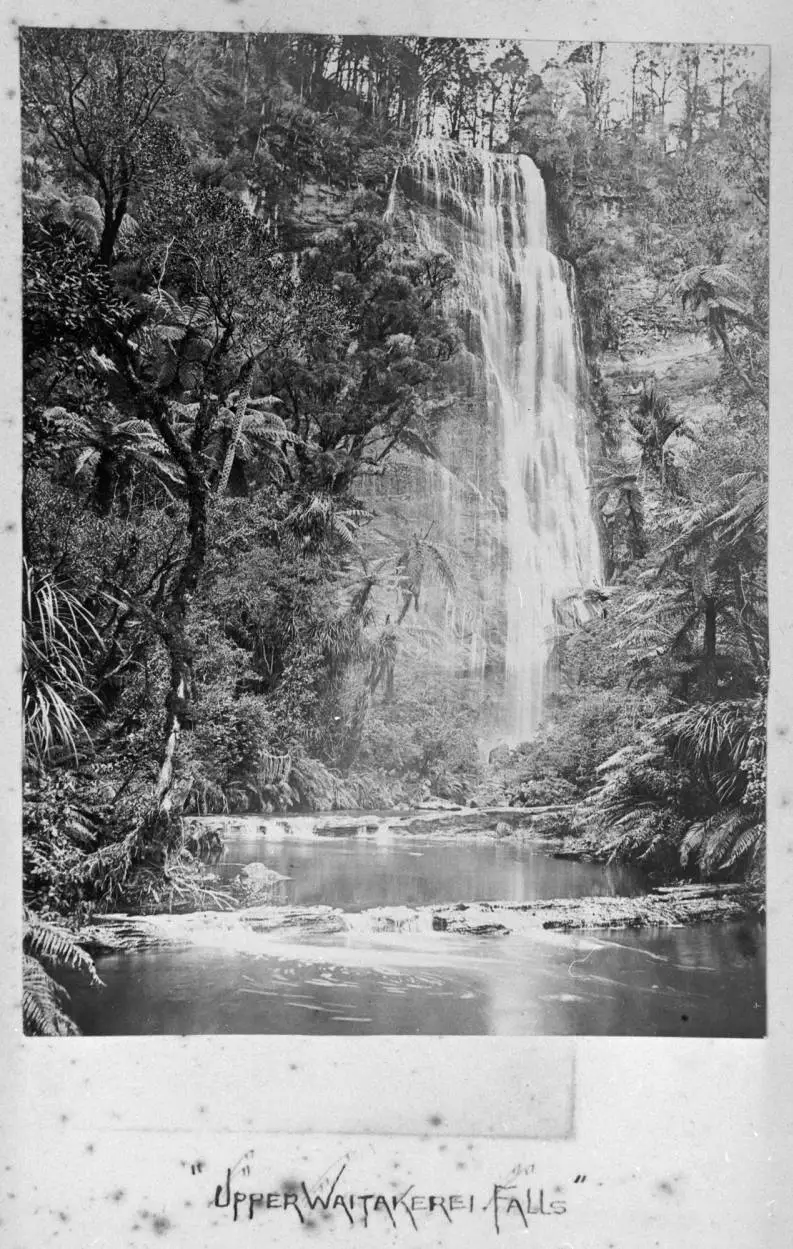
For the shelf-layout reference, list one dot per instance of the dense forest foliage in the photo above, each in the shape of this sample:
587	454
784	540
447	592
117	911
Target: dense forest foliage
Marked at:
223	337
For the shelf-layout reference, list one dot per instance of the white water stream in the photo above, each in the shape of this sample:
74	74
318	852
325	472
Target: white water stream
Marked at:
488	211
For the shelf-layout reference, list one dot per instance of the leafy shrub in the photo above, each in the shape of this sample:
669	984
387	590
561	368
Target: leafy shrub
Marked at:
220	756
428	737
63	816
689	794
544	791
585	729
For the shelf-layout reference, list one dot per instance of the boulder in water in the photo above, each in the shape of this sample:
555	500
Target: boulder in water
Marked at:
256	879
260	872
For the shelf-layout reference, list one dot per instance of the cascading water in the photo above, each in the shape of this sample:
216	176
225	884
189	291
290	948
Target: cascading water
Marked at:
488	212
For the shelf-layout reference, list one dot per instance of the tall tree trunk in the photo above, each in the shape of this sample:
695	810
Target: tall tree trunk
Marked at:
707	672
721	331
110	229
239	420
113	215
181	592
176	639
742	605
104	483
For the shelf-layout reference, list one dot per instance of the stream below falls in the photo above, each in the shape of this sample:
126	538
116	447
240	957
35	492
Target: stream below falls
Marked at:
704	979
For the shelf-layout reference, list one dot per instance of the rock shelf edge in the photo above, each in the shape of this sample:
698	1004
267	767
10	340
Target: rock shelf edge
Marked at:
665	907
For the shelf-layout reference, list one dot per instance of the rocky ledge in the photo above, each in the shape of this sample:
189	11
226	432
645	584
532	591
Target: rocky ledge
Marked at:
667	907
670	906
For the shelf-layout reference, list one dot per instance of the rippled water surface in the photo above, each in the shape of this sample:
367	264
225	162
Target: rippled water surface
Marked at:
702	980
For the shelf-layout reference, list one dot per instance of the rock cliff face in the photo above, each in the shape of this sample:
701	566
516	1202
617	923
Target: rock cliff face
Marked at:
318	207
657	341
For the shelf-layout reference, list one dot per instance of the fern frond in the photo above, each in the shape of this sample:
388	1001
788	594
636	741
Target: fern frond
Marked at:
745	844
692	842
56	945
42	999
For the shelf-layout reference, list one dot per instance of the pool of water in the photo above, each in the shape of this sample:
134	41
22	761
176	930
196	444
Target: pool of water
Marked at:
701	980
403	869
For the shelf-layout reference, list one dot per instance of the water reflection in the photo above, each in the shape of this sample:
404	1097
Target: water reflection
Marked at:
356	874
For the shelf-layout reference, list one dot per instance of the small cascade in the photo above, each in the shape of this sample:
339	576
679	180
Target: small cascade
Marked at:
526	529
293	827
391	205
298	827
389	919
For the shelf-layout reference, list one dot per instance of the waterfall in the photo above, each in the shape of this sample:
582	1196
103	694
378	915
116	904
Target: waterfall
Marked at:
512	300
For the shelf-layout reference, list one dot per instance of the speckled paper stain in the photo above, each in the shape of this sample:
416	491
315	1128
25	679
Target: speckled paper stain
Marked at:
130	1143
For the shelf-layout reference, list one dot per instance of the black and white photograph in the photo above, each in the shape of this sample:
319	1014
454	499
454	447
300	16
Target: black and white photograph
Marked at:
394	535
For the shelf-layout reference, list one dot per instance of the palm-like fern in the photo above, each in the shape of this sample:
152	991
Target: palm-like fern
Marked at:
715	292
80	215
655	619
249	429
621	507
418	559
43	998
175	341
718	751
322	519
108	446
654	423
635	803
714	732
728	839
719	551
718	297
42	1002
737	509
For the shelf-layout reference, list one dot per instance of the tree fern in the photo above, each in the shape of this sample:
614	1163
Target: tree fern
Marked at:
709	731
746	844
250	429
718	297
739	506
728	837
692	842
43	998
53	944
714	290
416	560
321	519
106	446
42	1002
